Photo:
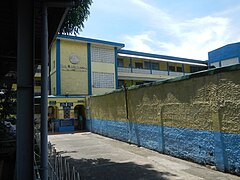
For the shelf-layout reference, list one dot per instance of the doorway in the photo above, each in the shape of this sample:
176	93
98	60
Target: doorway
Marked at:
80	117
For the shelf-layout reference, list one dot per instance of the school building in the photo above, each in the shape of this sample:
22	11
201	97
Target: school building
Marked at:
84	66
80	67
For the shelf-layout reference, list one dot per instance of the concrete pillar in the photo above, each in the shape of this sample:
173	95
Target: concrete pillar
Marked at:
25	90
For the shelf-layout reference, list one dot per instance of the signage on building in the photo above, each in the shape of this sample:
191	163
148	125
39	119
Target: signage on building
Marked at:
52	102
73	68
73	58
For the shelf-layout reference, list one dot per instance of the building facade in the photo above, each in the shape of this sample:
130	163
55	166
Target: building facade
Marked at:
84	66
225	56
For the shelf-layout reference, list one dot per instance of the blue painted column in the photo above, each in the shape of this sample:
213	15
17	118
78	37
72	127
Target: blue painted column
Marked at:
150	63
183	70
168	68
89	69
116	68
131	66
220	64
58	68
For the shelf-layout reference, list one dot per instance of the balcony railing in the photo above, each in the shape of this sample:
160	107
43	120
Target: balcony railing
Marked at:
148	71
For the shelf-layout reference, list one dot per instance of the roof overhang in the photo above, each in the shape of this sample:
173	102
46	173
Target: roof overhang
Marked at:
92	41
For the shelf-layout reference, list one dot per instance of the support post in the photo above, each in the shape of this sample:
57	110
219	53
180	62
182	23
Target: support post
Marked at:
44	96
183	69
131	65
25	90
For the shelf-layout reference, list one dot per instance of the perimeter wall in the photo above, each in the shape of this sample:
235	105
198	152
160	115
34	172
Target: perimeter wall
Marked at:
195	117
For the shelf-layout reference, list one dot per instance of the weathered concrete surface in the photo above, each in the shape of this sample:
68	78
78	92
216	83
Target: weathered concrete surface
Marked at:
98	157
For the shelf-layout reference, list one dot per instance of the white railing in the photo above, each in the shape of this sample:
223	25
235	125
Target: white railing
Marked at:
124	69
148	71
141	71
158	72
173	73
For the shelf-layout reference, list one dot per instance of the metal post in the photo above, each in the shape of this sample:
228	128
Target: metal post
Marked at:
183	69
44	96
131	65
25	90
150	64
168	68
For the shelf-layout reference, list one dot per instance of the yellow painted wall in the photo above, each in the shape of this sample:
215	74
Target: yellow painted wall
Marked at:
53	57
163	66
126	62
103	67
53	83
187	68
74	77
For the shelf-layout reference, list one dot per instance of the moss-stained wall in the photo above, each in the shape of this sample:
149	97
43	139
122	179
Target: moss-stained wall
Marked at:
194	117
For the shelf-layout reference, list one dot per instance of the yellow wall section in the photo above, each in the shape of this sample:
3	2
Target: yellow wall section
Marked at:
53	57
187	68
53	83
74	77
126	62
163	66
103	67
208	102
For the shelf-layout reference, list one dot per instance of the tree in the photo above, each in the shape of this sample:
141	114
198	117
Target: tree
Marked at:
74	20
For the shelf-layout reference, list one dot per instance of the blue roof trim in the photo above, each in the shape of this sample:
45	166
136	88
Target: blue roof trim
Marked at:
161	56
89	40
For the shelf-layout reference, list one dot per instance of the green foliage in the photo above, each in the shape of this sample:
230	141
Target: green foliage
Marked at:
74	20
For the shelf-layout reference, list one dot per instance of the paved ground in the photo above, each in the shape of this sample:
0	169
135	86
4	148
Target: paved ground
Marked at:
101	158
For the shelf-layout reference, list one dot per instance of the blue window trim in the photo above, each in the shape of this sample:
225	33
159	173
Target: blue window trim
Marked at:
89	69
89	40
116	67
58	69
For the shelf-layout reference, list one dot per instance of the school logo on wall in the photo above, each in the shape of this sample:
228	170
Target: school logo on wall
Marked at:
73	58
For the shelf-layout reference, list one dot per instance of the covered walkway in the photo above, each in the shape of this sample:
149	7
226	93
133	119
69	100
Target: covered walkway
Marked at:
102	158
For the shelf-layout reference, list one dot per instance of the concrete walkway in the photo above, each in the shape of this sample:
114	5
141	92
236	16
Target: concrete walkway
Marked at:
101	158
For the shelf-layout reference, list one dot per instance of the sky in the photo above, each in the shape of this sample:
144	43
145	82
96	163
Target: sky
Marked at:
182	28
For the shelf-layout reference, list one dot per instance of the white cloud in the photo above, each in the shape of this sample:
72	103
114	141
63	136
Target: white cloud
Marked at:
192	38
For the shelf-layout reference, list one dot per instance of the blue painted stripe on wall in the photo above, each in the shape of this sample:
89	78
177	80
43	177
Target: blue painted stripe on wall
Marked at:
205	147
219	151
232	151
116	67
89	69
58	68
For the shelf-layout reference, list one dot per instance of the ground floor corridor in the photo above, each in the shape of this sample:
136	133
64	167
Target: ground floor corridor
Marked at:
102	158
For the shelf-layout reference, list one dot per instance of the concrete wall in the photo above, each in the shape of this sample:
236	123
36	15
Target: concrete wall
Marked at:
194	117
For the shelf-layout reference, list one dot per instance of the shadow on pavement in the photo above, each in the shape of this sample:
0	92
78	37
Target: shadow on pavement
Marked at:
105	169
